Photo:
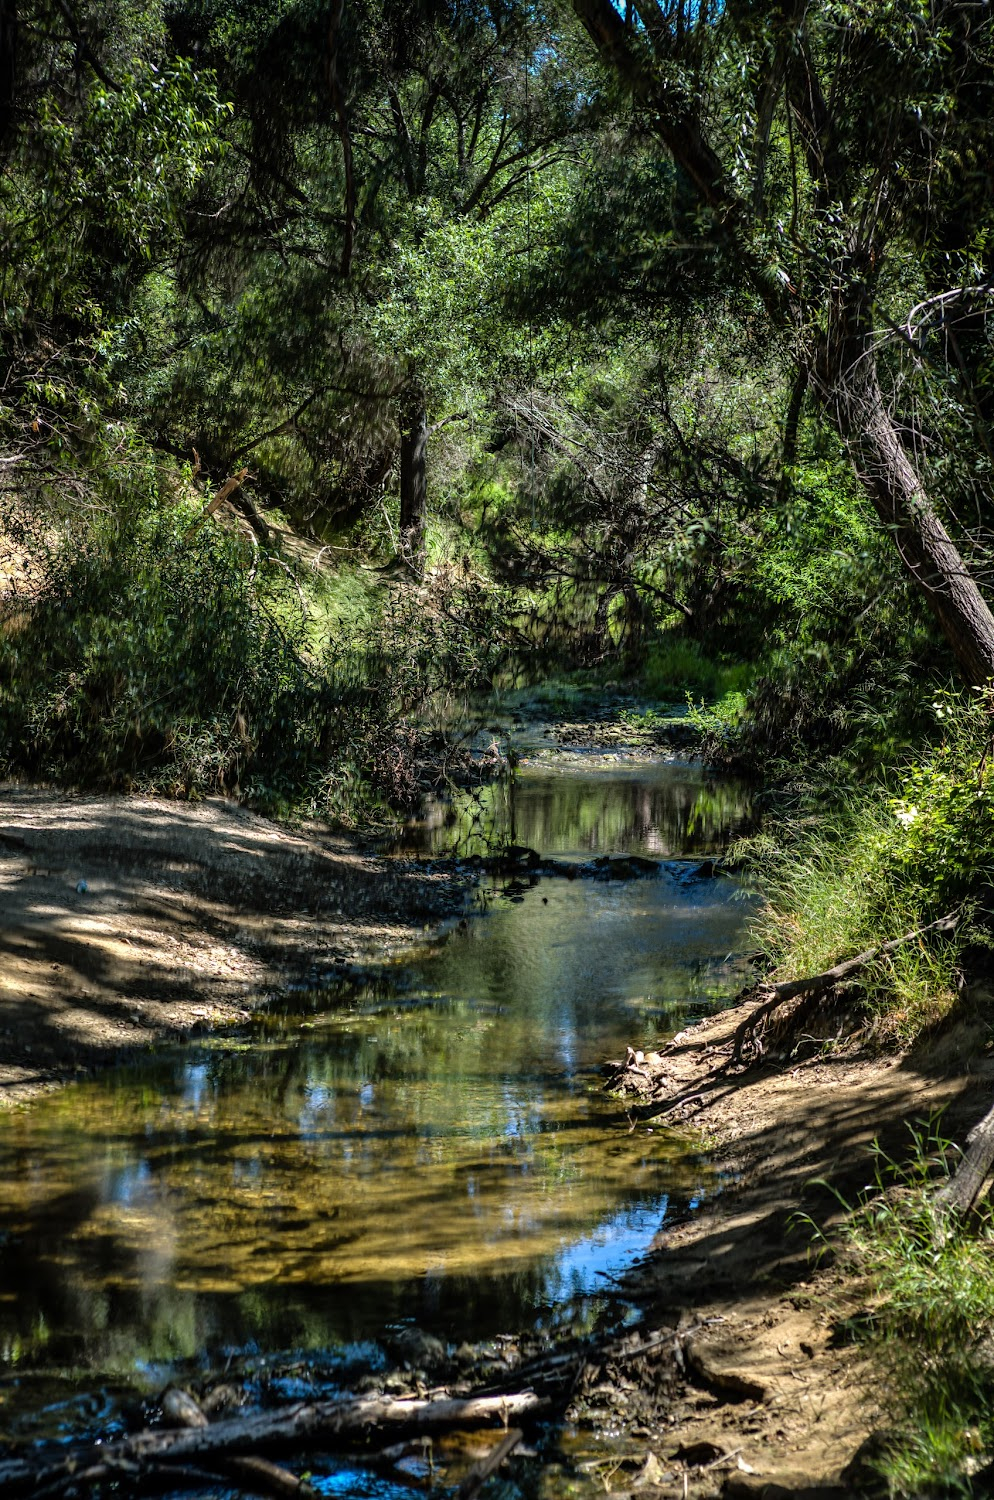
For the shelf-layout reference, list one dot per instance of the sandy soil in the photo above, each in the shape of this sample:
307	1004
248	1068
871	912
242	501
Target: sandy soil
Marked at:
776	1400
127	920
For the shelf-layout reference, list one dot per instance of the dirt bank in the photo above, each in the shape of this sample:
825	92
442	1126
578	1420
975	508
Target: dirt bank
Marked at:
775	1398
127	920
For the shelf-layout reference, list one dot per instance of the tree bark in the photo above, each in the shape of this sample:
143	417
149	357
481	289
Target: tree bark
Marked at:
340	103
961	1192
850	390
413	477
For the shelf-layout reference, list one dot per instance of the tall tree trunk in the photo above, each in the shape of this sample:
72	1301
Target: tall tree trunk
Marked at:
849	386
413	477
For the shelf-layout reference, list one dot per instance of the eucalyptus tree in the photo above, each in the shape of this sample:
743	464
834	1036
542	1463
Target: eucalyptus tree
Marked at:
823	143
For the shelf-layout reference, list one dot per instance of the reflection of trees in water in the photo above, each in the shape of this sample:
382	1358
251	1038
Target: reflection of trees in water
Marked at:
423	1150
662	812
335	1224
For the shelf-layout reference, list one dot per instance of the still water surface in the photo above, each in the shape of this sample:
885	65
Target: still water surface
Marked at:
432	1145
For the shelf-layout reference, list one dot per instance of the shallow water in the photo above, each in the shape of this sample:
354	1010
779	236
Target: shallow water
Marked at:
433	1145
574	804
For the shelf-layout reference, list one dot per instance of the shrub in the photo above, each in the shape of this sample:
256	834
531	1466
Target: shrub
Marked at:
153	656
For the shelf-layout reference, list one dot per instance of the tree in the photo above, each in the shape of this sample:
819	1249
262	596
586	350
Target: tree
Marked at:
385	152
815	179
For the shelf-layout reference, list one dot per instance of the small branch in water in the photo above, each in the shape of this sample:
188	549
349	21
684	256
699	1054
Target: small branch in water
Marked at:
484	1467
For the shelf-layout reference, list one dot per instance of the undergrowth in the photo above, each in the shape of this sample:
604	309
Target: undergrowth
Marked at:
883	863
162	655
928	1286
675	666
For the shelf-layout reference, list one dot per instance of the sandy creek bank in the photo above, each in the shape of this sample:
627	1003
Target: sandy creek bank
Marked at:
190	912
126	921
775	1398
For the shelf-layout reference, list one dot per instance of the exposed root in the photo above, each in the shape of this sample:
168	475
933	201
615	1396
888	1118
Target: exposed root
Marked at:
772	996
661	1079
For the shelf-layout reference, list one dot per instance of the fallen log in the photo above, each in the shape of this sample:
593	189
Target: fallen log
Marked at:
302	1425
258	1474
775	995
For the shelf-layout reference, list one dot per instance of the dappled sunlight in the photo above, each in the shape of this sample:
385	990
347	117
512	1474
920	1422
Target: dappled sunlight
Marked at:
435	1144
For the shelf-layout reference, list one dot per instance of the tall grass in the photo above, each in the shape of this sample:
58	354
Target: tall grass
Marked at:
838	887
928	1287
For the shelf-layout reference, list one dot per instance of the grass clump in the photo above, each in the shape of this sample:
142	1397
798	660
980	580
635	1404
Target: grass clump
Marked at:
886	862
840	886
929	1319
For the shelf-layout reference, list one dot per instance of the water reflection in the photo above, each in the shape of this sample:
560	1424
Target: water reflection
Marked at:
434	1146
577	806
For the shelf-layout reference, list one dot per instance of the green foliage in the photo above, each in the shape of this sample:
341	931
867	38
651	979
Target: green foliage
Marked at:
945	809
675	666
929	1282
717	724
153	656
847	880
146	661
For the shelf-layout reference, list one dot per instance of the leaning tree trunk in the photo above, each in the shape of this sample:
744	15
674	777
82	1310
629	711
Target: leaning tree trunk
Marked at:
413	477
844	376
849	386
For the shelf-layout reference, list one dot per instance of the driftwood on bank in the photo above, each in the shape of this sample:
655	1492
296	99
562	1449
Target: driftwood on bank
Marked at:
181	1410
53	1470
772	996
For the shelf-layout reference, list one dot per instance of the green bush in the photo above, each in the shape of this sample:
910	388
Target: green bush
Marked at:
155	656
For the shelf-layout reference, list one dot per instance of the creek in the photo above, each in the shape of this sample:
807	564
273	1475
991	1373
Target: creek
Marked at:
425	1143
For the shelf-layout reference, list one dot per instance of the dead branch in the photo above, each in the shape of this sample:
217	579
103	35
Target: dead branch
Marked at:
775	995
182	1410
227	489
960	1193
328	1422
484	1467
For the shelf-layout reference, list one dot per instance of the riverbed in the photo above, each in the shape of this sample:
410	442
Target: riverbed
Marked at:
423	1142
